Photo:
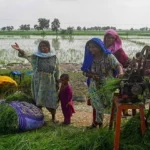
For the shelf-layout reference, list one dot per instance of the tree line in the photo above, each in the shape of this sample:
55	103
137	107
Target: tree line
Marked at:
44	23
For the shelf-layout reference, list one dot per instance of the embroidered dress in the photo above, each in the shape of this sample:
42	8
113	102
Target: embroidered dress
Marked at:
103	68
45	74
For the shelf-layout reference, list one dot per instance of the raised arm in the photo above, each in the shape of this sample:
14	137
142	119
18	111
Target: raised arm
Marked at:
16	47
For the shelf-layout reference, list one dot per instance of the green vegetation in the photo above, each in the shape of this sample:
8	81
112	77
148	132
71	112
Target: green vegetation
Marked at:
75	32
19	96
8	119
57	137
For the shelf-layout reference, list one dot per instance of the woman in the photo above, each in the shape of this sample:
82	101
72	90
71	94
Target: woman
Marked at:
45	76
113	42
97	66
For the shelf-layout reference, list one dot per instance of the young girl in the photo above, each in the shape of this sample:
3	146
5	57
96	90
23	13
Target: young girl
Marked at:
45	76
65	97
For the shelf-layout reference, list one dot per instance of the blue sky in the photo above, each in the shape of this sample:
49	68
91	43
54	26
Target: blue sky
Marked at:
120	13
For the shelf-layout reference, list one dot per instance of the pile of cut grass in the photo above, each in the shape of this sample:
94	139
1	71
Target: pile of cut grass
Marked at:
19	96
8	119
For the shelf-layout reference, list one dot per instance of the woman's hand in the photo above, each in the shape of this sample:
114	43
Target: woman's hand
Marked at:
16	47
120	75
91	75
95	77
120	71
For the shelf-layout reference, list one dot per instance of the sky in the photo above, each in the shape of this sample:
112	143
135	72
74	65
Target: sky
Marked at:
123	14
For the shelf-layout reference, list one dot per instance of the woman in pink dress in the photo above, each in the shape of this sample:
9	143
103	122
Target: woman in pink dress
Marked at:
65	97
113	42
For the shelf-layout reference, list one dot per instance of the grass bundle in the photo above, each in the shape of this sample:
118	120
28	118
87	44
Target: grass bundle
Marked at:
108	89
6	81
8	119
7	86
111	85
19	96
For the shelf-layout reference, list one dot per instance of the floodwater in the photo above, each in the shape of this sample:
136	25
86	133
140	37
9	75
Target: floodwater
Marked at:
69	49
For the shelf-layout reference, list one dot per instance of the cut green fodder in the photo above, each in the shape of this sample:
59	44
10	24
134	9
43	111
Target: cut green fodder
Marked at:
8	119
111	85
131	137
19	96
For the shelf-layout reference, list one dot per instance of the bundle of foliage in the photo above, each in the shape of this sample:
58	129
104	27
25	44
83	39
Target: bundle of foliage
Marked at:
110	86
25	85
8	119
7	85
131	137
6	82
19	96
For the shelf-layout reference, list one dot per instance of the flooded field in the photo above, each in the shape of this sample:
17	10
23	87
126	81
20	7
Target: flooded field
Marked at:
68	49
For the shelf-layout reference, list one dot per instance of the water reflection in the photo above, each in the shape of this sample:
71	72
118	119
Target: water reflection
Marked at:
70	38
25	36
56	43
38	41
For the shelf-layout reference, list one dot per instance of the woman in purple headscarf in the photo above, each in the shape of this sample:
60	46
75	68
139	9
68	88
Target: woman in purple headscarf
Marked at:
97	66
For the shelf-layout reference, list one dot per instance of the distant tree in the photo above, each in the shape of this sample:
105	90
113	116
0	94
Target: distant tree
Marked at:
84	28
63	31
79	28
3	28
99	28
9	28
131	29
25	27
106	28
144	29
55	25
37	27
70	30
113	28
43	23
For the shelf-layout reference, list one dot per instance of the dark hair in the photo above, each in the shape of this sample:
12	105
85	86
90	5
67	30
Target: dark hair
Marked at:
65	76
93	42
44	42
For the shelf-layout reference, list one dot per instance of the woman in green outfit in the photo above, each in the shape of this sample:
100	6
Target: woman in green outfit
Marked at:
98	65
45	76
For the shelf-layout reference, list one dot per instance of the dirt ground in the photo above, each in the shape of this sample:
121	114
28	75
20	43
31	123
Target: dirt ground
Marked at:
81	118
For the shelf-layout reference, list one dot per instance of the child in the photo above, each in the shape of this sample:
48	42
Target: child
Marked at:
65	97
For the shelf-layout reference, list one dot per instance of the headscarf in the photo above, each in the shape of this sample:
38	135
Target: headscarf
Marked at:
44	55
117	43
88	56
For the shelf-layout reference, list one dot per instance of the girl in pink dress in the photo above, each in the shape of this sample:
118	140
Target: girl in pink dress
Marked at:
65	97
